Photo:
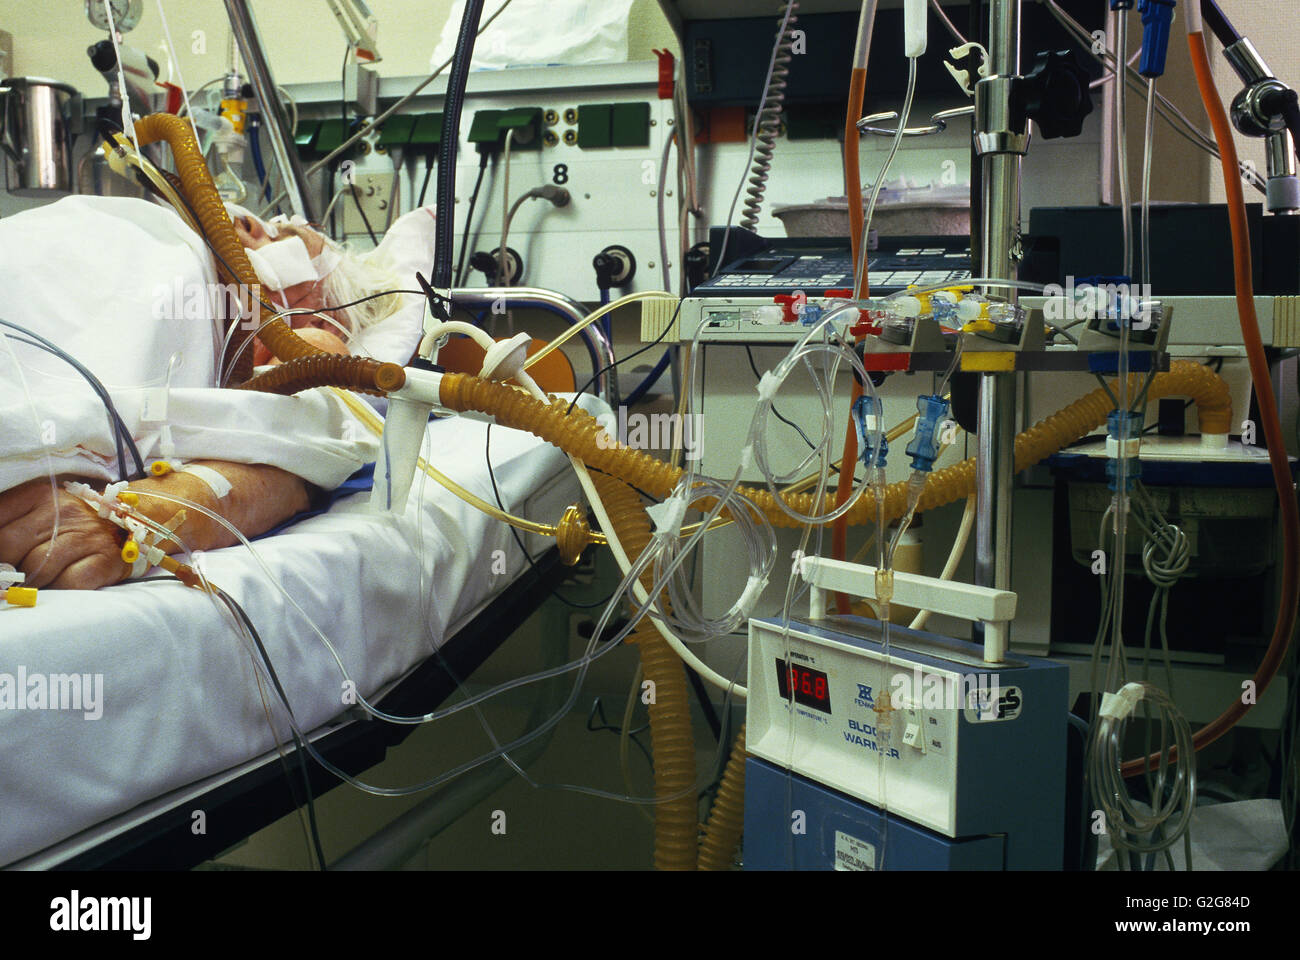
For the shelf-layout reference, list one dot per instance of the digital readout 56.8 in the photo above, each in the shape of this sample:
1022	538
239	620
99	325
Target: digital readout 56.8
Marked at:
810	687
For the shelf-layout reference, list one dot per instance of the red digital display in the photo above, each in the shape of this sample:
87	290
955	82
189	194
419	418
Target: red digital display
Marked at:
808	687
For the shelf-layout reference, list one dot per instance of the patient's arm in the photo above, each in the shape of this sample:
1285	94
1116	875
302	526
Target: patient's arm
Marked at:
86	552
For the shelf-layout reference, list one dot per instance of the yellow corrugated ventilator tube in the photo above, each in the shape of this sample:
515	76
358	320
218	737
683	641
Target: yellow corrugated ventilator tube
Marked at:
577	433
302	360
671	736
727	818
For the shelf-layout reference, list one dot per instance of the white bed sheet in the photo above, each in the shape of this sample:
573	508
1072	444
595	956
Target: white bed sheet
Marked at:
179	701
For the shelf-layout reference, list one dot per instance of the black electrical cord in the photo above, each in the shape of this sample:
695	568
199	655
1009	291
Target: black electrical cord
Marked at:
487	453
364	219
635	353
706	705
1218	22
453	102
776	413
598	710
300	748
428	172
115	423
343	110
469	217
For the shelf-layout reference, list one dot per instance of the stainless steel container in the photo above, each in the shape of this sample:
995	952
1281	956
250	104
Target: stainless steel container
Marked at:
38	119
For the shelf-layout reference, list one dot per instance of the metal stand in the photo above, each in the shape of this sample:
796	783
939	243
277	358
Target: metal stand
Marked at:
1000	146
277	121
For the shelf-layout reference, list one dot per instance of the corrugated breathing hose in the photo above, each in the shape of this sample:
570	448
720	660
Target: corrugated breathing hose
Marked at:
578	434
354	373
671	736
727	818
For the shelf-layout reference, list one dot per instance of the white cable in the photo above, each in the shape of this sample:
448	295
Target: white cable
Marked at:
591	318
128	124
176	64
954	557
625	564
333	200
505	206
884	170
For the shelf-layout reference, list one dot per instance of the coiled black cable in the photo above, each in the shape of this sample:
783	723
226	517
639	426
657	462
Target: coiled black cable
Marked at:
452	104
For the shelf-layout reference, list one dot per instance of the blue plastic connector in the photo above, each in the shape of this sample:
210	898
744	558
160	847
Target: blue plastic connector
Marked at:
1157	15
924	448
811	314
864	407
1123	427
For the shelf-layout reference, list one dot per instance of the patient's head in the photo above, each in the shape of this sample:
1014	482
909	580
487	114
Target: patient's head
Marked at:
301	268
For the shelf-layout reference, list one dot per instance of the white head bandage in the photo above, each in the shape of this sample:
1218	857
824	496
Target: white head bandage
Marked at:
283	264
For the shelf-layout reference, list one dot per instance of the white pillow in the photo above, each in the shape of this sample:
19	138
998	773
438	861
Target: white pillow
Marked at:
407	247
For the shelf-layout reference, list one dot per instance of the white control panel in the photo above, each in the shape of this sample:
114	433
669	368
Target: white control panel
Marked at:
755	319
814	707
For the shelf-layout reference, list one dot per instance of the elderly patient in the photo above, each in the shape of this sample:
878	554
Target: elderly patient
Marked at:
115	282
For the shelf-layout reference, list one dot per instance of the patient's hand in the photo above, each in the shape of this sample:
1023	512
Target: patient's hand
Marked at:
84	555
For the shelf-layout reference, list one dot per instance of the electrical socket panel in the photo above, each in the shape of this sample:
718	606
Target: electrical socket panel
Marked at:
378	193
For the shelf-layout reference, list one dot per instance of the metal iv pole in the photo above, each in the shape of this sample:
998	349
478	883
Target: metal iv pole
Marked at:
277	120
1000	141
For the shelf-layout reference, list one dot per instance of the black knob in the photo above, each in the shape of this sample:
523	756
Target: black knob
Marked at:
697	265
606	269
487	263
615	266
1055	94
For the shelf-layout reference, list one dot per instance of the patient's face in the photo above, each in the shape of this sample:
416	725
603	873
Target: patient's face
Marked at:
307	294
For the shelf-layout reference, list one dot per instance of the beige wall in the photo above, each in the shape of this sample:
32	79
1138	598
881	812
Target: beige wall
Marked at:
304	43
1179	170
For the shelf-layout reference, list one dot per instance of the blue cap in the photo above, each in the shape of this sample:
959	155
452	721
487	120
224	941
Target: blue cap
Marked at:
1157	15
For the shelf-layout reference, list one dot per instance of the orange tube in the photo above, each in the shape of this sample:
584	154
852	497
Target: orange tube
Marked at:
858	242
671	736
852	166
578	434
727	818
1286	616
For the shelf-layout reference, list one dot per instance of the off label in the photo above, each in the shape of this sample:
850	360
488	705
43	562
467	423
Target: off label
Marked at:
996	703
853	854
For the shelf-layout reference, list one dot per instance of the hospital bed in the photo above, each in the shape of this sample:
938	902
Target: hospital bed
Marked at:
183	727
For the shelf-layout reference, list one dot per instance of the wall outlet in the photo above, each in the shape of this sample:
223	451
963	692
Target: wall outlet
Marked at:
373	192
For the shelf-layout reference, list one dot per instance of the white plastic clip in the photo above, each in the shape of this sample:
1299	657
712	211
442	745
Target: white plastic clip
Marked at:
1118	706
768	385
963	76
754	587
668	516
